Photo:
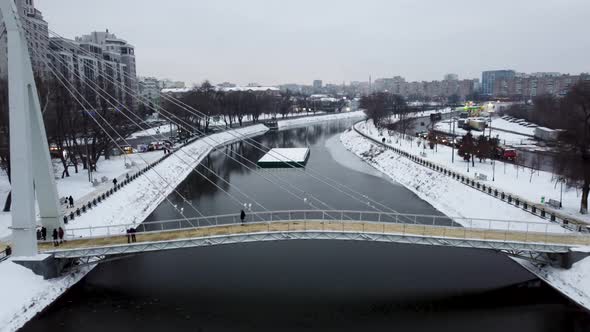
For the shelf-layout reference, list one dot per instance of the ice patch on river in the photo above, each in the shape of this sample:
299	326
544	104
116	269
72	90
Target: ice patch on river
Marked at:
349	160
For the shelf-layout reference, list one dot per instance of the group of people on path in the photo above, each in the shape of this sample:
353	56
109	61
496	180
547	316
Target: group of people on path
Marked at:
69	202
57	235
131	235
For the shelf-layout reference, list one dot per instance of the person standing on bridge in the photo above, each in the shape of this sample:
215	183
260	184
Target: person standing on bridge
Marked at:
242	216
44	233
54	237
71	200
132	231
60	233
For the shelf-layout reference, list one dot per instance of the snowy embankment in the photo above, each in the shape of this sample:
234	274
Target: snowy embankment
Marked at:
509	139
77	184
284	124
502	124
24	294
526	183
455	199
137	200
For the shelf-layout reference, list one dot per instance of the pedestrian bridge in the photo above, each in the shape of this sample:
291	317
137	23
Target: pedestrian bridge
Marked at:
524	239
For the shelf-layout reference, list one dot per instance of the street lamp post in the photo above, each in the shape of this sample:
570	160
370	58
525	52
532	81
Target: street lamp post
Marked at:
493	170
88	163
561	193
453	138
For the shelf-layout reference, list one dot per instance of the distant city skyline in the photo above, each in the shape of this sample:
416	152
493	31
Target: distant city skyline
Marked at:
335	41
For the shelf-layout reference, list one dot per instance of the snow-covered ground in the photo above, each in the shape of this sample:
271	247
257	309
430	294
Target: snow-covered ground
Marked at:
154	131
512	126
24	294
509	139
455	199
523	182
298	155
283	124
77	185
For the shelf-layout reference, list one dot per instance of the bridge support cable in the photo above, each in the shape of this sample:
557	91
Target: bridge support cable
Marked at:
160	110
246	140
181	159
209	138
73	92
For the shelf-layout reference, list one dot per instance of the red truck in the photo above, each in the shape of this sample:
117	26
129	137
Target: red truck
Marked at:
506	154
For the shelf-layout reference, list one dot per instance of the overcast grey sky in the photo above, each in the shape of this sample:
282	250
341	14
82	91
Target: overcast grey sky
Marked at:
273	42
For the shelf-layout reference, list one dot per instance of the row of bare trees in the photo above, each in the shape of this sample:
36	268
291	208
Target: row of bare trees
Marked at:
571	114
232	107
72	130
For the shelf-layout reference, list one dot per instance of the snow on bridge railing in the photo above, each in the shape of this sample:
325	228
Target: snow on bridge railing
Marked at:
343	217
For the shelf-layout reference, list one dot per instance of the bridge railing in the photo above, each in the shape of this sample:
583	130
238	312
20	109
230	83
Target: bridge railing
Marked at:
373	219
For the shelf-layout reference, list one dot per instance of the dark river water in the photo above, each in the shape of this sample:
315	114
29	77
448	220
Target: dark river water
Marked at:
308	285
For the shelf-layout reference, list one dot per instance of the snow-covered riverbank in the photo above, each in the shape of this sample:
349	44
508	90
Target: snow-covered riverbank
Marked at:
455	199
284	124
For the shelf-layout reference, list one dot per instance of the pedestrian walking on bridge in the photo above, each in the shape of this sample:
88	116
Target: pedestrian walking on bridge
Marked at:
133	231
60	234
242	216
71	200
54	236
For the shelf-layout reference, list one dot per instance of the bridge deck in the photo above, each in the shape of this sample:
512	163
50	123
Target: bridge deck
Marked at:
566	239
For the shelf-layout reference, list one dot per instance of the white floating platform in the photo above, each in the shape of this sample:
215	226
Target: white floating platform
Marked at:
281	158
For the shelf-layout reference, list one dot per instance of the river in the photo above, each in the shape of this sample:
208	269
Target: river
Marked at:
314	285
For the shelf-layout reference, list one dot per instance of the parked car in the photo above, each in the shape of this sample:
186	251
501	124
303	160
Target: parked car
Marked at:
509	154
127	149
155	146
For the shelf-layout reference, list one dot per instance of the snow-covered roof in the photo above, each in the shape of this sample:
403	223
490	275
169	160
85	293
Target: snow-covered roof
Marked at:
285	155
250	88
329	99
175	90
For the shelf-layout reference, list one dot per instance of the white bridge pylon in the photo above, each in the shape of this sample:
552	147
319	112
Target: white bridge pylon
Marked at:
30	162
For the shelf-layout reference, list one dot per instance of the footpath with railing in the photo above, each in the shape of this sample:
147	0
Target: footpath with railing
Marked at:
536	209
5	254
530	235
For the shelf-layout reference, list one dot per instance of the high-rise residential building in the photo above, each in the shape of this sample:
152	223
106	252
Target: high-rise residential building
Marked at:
317	85
432	89
149	89
37	34
451	77
86	62
525	86
100	57
113	46
488	79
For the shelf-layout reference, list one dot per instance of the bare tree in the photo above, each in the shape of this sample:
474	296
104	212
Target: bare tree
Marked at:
574	143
